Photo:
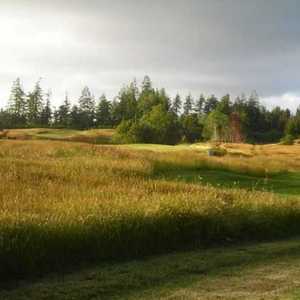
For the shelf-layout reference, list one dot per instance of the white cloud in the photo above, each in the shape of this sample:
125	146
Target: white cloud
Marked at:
288	100
201	46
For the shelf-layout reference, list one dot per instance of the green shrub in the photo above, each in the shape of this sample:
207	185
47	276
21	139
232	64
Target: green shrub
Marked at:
217	151
287	140
158	127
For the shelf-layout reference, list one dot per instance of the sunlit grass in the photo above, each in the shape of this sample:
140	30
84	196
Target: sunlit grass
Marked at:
94	136
62	203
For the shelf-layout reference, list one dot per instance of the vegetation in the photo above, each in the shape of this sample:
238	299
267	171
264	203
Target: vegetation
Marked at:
95	136
65	203
263	271
148	115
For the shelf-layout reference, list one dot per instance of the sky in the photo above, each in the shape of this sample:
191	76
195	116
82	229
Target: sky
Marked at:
187	46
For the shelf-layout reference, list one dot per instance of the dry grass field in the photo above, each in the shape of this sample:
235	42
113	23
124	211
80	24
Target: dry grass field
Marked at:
95	136
62	203
65	204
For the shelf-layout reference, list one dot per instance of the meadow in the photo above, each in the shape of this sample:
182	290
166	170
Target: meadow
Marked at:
95	136
63	204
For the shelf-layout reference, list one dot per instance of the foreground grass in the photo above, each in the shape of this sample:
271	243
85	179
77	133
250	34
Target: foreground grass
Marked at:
262	271
66	203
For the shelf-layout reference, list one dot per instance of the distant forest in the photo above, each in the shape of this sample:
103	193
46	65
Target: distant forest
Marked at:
147	115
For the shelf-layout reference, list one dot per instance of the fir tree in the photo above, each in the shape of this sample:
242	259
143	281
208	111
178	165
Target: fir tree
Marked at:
188	105
176	106
46	116
87	108
35	105
17	104
199	105
104	112
63	114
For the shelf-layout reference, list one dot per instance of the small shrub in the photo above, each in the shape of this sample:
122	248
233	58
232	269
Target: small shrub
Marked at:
287	140
216	151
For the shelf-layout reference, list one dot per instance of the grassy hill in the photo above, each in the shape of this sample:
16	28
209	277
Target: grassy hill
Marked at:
65	205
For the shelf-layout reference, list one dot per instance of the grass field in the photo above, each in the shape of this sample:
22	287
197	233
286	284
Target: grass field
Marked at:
64	205
96	136
266	271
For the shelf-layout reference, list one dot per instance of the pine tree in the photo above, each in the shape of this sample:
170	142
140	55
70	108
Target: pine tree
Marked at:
87	108
210	104
104	112
17	104
46	116
148	97
164	99
147	85
75	117
225	105
127	104
176	105
63	114
35	105
199	105
188	105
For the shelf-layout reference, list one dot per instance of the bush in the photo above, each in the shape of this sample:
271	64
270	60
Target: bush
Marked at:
293	127
216	151
271	136
287	140
158	126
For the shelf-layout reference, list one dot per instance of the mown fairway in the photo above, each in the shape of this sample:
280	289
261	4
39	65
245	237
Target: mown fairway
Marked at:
64	204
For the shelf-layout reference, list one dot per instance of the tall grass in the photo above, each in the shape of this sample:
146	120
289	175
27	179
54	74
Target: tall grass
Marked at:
260	166
94	136
62	203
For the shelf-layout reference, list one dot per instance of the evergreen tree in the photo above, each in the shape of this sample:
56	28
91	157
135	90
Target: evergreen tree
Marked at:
176	106
104	112
75	117
191	128
210	104
148	97
46	116
127	105
225	105
199	105
164	100
188	105
147	85
35	105
116	116
63	114
17	104
87	109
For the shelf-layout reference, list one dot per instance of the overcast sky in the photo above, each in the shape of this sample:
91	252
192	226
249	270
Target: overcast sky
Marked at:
197	46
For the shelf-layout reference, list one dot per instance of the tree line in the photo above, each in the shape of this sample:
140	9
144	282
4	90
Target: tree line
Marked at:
145	114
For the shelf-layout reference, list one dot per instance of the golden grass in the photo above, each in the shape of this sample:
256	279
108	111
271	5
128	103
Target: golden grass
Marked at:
94	136
61	203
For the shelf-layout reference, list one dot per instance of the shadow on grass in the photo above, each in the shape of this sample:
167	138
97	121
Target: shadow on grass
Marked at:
156	275
282	183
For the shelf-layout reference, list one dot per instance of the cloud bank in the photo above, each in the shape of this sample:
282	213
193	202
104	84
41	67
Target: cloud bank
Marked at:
192	46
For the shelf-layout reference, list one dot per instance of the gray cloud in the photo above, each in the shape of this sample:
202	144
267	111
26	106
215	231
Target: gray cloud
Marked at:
212	46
